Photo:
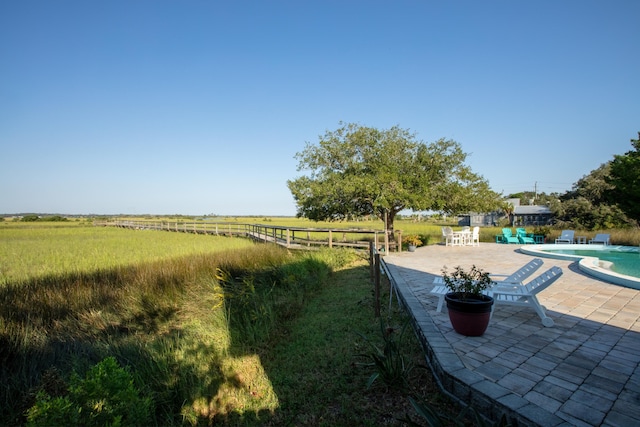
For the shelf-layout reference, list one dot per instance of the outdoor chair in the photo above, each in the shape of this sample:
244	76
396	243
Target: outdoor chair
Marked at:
451	238
474	239
526	295
566	237
523	273
602	239
523	237
508	237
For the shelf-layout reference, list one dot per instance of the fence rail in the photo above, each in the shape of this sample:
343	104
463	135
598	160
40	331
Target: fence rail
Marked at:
290	237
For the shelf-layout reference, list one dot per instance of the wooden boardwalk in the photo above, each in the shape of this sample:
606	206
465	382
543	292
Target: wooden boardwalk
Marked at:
289	237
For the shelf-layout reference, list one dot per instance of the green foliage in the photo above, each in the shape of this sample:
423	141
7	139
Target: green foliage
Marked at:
604	199
106	396
37	218
625	179
587	206
388	361
358	171
53	411
542	230
467	283
412	239
257	300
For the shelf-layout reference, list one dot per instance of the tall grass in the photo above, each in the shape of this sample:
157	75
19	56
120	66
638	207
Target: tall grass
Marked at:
191	326
42	249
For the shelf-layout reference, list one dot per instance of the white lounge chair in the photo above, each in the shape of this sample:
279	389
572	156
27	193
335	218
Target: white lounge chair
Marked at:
566	237
602	239
518	294
523	273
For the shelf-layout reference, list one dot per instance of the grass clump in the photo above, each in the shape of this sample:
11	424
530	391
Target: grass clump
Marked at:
106	396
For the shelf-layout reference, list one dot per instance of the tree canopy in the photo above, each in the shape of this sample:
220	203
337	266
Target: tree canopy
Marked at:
586	206
357	170
625	180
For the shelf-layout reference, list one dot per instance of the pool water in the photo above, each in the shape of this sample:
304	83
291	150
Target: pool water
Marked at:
625	262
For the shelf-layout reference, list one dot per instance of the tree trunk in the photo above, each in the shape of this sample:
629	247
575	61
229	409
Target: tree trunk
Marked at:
390	218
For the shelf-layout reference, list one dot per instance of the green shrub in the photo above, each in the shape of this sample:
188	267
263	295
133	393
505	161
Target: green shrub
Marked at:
106	396
388	361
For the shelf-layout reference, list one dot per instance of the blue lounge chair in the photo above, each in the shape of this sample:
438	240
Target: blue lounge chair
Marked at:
508	237
602	239
523	237
566	237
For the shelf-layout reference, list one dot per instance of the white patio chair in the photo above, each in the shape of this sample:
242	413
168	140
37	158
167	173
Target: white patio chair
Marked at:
518	294
523	273
450	237
474	239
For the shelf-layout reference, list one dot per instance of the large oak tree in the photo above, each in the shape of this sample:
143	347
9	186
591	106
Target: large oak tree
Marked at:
357	170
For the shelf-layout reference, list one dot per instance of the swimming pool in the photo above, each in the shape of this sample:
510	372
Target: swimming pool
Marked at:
615	264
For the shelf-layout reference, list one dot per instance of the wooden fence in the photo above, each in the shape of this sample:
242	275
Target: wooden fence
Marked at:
290	237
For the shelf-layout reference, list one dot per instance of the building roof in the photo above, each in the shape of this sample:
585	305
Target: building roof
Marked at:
532	210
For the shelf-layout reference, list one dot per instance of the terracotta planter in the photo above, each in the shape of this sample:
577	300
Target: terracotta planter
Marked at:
471	316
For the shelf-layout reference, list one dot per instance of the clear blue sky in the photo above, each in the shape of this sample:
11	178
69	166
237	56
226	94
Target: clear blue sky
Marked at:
198	107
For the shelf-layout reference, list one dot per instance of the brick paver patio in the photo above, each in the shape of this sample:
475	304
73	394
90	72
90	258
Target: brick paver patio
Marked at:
583	371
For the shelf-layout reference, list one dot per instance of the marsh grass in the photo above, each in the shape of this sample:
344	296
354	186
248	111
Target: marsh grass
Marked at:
50	249
194	329
251	336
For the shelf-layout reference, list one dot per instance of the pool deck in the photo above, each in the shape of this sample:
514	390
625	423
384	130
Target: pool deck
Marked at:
583	371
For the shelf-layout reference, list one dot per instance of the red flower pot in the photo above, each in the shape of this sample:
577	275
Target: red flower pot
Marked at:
469	316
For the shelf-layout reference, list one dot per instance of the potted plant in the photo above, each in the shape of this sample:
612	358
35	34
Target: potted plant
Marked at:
413	241
469	308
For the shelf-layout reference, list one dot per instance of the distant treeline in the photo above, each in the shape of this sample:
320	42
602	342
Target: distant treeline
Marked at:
34	218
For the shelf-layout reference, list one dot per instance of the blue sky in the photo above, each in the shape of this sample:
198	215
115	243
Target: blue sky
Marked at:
199	107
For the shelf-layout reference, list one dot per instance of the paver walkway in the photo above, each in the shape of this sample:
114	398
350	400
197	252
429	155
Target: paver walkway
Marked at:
584	371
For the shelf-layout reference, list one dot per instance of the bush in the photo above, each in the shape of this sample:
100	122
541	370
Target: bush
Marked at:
105	397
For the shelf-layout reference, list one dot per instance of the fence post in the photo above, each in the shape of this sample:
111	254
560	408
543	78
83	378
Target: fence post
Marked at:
386	242
372	252
377	285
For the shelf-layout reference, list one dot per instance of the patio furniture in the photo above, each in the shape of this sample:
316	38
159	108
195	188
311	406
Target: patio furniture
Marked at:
566	237
539	238
451	237
524	237
474	240
523	273
465	235
508	237
526	295
602	239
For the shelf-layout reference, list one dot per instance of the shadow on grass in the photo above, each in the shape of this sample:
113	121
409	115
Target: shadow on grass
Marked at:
161	323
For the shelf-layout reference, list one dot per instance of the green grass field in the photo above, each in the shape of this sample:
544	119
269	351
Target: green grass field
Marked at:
213	330
29	250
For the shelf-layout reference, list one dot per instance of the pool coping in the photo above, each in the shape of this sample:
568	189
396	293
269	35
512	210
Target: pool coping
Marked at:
590	265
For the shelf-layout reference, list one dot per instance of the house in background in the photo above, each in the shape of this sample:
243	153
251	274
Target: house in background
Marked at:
523	215
479	219
532	215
